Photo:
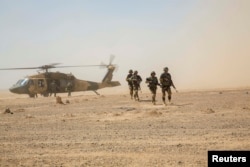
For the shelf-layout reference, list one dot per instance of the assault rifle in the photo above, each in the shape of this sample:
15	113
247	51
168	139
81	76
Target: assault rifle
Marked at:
170	83
150	81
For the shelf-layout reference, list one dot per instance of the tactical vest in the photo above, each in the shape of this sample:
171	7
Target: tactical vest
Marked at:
166	80
152	82
129	79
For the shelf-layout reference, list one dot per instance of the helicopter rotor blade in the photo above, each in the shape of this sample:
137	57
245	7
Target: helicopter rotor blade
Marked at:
54	64
116	68
25	68
111	59
79	66
103	65
44	67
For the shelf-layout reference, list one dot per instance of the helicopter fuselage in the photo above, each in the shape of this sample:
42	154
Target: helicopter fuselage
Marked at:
56	82
41	84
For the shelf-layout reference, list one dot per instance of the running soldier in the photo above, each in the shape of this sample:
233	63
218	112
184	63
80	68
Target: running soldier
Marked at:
166	82
152	84
136	80
130	84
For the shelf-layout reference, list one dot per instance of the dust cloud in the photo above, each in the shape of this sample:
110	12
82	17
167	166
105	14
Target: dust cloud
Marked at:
216	52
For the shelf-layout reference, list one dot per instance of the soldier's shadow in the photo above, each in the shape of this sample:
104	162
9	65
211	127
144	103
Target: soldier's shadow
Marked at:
148	100
144	100
171	104
180	105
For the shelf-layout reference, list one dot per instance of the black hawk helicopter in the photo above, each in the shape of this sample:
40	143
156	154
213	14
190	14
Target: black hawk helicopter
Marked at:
40	83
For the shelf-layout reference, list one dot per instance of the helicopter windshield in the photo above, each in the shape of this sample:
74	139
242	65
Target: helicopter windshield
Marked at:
22	82
19	82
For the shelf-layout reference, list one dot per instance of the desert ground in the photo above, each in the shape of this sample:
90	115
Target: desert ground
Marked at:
113	130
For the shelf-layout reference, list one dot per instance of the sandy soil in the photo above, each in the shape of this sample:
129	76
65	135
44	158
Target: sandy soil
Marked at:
113	130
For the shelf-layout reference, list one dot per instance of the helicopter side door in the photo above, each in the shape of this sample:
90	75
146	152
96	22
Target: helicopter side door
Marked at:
39	85
63	85
32	88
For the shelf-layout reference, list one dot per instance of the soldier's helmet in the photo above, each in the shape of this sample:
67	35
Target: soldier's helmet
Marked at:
130	71
135	72
165	69
152	73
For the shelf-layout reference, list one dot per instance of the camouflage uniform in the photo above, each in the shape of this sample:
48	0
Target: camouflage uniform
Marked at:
166	82
136	80
69	88
152	84
130	84
53	88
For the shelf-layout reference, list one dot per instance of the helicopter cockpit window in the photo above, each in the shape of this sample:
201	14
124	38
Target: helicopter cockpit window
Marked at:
22	82
25	81
19	82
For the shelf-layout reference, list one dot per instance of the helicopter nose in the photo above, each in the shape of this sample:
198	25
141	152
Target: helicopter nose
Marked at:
13	90
16	89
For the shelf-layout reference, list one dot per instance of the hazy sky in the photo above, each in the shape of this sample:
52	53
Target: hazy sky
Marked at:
205	44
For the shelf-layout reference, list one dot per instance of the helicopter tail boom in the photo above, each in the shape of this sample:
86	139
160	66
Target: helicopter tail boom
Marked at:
107	80
114	83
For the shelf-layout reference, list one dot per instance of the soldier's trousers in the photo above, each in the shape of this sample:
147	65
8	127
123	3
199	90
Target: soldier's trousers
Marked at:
136	89
153	91
168	90
131	90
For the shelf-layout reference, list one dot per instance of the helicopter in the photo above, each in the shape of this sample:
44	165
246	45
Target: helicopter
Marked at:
40	83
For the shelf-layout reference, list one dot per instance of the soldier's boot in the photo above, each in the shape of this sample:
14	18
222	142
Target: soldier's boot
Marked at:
169	99
164	101
131	95
153	99
137	97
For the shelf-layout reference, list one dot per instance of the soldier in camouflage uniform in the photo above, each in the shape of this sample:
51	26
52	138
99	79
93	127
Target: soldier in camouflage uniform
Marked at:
130	84
136	80
53	88
69	88
166	82
152	84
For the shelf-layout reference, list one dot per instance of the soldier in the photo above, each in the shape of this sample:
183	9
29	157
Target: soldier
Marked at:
152	84
136	80
166	82
130	84
53	88
69	88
